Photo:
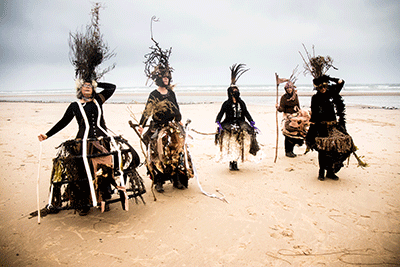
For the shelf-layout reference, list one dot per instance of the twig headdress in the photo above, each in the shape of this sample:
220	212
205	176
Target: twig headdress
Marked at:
88	51
157	61
317	66
292	79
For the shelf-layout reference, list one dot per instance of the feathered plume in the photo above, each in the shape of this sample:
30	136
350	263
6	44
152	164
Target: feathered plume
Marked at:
293	78
88	50
316	65
156	64
236	71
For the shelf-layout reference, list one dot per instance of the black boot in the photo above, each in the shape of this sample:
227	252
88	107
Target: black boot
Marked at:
290	155
84	211
321	174
159	187
331	175
235	166
231	168
178	184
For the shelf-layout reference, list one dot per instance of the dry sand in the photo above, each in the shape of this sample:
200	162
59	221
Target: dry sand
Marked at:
278	214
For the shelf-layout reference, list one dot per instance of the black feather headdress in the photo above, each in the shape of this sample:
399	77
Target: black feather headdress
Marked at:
88	50
157	61
236	71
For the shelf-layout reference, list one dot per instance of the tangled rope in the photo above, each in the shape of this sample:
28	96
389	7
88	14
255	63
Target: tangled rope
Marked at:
202	133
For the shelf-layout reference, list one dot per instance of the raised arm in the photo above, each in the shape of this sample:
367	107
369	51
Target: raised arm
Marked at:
108	90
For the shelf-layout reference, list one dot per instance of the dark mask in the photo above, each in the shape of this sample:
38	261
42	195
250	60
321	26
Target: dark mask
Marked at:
236	94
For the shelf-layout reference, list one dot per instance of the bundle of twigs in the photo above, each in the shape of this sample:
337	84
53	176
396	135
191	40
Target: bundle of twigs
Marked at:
88	50
316	65
156	63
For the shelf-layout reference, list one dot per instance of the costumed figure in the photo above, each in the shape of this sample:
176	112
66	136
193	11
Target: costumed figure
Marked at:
85	169
235	137
327	133
164	139
295	122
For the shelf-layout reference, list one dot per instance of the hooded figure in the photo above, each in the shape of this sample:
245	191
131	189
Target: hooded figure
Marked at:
234	126
294	124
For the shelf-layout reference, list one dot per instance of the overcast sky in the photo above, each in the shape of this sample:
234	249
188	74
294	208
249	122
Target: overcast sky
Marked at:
206	38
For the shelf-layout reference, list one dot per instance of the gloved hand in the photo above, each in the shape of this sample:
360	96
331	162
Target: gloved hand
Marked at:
220	129
252	123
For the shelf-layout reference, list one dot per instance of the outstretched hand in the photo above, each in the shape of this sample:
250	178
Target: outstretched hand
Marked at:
42	137
140	130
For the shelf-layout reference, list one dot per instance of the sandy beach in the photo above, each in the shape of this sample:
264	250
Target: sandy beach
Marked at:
278	214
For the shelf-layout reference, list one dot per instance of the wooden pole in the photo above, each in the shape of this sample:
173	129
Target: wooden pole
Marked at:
38	182
276	115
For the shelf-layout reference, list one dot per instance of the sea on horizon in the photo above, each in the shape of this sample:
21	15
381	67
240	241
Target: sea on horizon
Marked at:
368	95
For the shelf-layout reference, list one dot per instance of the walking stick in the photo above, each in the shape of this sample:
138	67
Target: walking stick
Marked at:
276	115
38	180
278	81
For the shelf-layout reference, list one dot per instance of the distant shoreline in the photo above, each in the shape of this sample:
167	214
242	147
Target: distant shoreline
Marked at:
182	93
363	99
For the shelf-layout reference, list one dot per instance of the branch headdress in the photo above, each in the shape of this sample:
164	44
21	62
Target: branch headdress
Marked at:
88	51
157	61
317	66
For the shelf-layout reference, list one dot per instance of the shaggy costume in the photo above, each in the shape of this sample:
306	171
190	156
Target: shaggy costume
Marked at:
164	140
327	134
86	164
163	109
294	123
235	137
167	159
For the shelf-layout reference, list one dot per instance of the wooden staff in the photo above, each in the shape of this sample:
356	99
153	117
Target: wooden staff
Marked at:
38	182
276	115
278	81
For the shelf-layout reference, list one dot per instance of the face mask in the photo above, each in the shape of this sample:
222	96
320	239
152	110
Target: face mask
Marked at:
236	94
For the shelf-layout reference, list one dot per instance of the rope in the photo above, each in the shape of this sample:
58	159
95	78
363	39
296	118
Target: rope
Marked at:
204	192
38	180
195	171
202	133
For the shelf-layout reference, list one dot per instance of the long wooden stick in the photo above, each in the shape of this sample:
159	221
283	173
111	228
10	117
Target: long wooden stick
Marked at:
38	181
276	115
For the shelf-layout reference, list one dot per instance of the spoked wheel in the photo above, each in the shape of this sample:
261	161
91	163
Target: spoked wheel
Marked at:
130	161
134	185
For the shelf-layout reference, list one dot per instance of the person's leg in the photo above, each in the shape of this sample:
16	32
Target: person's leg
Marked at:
235	166
331	174
289	145
321	162
159	182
